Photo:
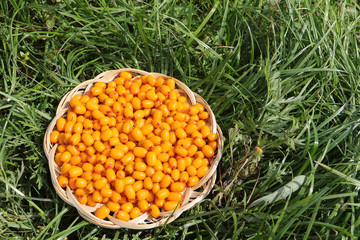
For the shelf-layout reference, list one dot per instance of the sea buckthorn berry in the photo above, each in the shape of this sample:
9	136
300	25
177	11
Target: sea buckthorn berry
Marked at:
192	181
116	153
158	175
135	212
197	163
151	158
60	124
80	183
170	82
200	124
100	183
106	135
102	212
75	172
139	175
113	207
99	146
97	196
129	191
177	187
71	117
106	192
165	181
171	205
156	140
158	166
129	168
116	197
143	205
82	199
203	115
205	131
191	170
181	151
163	157
61	148
77	128
99	168
127	207
175	196
175	174
149	171
65	167
119	185
137	134
87	167
208	151
202	171
212	137
154	211
72	182
54	136
75	139
126	75
184	177
199	154
159	202
213	145
205	162
148	104
123	138
127	158
110	175
79	108
124	216
75	160
68	127
87	176
101	159
63	181
89	189
91	202
156	188
140	166
138	185
142	194
192	150
129	180
148	184
198	141
65	157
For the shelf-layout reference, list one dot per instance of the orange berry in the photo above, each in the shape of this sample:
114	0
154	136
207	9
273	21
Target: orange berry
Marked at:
208	151
171	205
177	187
124	216
154	211
192	181
129	191
63	181
102	212
54	136
60	124
143	205
135	212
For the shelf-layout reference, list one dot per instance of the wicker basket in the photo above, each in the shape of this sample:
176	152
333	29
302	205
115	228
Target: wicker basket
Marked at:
144	221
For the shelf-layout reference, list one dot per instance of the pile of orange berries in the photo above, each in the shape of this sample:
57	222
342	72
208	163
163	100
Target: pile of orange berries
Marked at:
133	145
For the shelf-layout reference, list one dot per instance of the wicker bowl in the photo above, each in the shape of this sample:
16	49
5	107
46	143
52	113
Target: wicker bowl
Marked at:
191	195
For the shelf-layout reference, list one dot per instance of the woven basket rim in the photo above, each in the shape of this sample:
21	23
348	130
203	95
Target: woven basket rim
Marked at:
190	196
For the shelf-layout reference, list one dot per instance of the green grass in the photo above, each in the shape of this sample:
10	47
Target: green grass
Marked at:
281	75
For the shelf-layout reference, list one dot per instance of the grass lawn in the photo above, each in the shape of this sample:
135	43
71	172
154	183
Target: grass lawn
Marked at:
280	75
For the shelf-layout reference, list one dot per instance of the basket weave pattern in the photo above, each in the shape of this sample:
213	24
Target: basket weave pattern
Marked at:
144	221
